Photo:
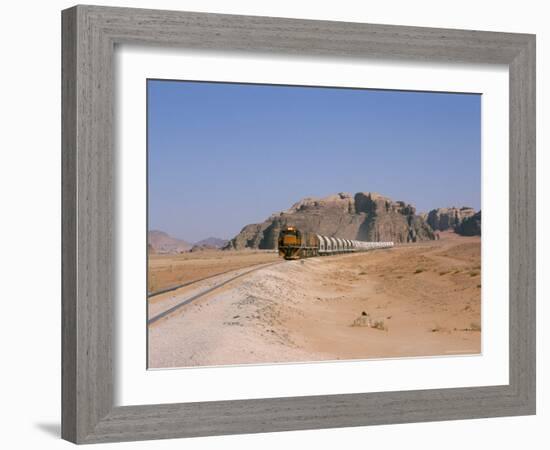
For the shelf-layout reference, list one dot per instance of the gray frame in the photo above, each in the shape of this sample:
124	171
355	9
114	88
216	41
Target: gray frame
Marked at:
89	36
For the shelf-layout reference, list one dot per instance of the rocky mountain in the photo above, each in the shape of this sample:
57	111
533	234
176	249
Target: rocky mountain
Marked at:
470	226
442	219
210	243
161	242
463	220
366	216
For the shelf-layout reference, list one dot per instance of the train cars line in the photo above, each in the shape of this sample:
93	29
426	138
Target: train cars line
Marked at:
296	244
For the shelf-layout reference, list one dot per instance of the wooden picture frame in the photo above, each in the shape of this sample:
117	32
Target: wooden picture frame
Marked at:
90	34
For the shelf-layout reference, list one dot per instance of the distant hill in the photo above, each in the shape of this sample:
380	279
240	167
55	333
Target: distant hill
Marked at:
161	242
210	243
365	216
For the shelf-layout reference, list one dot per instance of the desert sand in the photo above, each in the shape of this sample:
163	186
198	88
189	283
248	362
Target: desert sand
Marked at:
412	300
169	270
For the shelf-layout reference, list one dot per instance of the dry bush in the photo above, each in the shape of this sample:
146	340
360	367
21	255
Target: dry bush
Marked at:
362	321
379	325
474	326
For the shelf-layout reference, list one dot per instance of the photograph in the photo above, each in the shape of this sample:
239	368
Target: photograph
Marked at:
258	225
301	224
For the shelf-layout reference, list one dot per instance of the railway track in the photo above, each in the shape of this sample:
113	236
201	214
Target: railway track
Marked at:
189	283
160	315
202	293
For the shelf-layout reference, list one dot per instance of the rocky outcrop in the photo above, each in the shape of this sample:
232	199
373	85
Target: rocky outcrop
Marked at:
464	221
364	216
442	219
470	226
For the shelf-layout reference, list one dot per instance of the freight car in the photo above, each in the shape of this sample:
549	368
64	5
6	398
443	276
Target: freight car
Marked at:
296	244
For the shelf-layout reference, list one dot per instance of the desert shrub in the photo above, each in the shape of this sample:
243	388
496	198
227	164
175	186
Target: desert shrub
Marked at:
362	321
474	326
379	325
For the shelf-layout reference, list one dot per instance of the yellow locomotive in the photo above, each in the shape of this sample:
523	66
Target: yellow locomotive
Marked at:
296	244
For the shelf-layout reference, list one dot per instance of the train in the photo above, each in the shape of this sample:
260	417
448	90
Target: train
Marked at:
296	244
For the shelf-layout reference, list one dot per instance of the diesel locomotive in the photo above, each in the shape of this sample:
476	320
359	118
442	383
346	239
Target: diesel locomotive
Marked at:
296	244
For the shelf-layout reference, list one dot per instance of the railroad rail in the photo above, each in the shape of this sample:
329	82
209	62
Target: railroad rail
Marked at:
200	294
189	283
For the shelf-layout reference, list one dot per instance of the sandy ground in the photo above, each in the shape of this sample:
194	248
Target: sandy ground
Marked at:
414	300
165	271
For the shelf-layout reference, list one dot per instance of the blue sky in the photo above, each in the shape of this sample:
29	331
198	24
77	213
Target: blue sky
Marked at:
221	156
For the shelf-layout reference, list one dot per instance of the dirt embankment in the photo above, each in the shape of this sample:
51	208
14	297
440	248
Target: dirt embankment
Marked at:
165	271
414	300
